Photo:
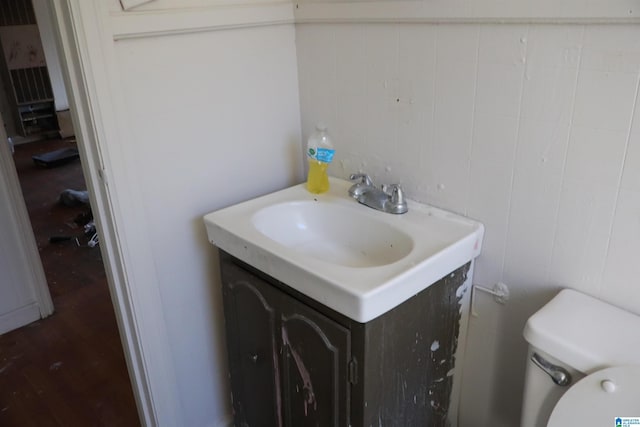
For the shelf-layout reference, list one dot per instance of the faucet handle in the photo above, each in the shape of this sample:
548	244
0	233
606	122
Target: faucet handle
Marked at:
363	177
359	188
396	193
398	203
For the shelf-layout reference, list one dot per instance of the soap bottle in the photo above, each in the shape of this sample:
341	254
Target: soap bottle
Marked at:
319	154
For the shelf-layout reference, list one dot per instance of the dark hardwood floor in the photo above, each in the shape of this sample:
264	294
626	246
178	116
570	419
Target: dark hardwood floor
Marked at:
67	369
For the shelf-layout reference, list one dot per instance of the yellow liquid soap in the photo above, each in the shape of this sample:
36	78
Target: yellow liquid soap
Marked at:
317	179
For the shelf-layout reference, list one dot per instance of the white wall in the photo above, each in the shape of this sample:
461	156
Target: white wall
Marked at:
206	113
532	129
214	119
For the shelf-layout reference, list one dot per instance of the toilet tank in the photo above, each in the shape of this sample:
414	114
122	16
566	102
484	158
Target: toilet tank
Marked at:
581	334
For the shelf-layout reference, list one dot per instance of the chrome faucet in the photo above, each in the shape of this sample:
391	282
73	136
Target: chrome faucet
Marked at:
388	198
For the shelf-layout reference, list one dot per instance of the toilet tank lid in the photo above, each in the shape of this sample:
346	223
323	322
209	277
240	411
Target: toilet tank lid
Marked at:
585	333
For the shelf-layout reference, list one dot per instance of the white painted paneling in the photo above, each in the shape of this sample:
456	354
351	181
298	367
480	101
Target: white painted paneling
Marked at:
535	199
605	99
492	11
499	89
447	160
596	156
491	175
631	172
548	93
620	281
416	91
351	109
214	119
554	46
606	50
531	133
501	58
319	66
382	91
583	225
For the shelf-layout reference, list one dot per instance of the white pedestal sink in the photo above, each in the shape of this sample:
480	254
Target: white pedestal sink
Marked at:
353	259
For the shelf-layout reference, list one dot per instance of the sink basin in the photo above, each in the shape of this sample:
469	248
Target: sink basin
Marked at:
333	233
353	259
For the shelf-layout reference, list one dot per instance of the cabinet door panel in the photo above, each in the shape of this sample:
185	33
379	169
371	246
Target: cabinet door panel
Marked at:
250	322
314	368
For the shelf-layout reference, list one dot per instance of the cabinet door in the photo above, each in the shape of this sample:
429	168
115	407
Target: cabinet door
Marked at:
316	352
251	325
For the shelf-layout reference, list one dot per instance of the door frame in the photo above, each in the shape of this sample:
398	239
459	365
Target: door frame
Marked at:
141	333
87	55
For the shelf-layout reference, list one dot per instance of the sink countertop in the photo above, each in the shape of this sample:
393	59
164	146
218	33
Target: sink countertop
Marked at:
441	242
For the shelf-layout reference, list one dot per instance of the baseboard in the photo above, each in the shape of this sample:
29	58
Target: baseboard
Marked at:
19	317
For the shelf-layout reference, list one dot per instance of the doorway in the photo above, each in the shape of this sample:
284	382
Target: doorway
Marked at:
69	368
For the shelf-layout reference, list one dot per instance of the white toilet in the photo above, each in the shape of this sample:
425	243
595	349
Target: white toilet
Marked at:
583	364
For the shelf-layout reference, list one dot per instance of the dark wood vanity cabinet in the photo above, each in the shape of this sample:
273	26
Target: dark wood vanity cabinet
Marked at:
296	363
288	362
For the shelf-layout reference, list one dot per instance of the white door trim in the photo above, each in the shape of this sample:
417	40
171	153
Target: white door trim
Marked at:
88	60
27	247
